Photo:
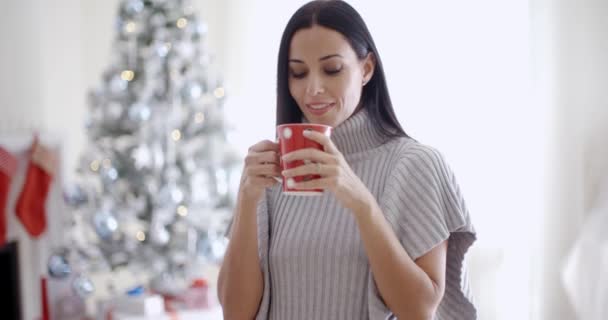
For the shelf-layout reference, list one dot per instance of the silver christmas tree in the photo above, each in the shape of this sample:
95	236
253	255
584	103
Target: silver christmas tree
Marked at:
154	186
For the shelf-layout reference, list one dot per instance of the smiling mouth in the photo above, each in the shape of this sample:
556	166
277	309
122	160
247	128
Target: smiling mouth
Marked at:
319	108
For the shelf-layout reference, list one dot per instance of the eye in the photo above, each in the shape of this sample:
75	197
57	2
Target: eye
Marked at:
333	70
298	75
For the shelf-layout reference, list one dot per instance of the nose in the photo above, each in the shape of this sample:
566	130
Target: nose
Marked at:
315	85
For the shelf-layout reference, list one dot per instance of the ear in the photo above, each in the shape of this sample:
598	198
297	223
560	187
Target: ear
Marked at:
369	65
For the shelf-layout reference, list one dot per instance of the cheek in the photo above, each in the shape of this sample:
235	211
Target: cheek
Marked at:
296	90
351	93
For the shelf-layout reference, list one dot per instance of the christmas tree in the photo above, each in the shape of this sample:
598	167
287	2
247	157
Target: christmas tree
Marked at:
154	188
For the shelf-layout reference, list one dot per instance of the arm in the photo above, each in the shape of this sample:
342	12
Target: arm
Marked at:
240	280
411	289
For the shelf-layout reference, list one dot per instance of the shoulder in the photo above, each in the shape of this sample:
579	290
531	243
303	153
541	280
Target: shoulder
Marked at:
409	154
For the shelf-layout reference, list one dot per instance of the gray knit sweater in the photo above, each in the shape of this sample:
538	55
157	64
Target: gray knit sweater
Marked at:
312	255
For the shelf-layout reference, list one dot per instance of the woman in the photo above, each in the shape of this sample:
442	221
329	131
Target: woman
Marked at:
388	236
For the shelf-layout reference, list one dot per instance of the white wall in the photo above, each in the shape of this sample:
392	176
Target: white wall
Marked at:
41	81
20	62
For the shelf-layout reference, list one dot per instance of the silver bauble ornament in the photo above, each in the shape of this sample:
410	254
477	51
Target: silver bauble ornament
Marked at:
170	194
133	7
192	91
212	248
118	85
142	157
106	225
74	195
162	49
58	266
159	235
83	286
109	175
139	113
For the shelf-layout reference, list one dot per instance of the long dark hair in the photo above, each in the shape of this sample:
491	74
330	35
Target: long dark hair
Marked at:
341	17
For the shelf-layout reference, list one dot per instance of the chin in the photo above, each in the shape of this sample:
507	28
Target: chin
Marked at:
331	121
334	122
327	122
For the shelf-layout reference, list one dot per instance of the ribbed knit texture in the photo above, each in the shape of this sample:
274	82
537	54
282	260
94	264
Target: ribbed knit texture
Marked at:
312	257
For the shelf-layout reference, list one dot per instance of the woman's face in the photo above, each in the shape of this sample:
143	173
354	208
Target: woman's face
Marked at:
325	75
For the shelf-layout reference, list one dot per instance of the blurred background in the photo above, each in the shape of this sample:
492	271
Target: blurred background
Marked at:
512	92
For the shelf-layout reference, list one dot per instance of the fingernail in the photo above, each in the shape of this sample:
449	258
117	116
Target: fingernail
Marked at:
291	183
306	132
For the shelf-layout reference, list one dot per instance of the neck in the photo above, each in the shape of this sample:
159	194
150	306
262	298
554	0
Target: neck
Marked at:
357	134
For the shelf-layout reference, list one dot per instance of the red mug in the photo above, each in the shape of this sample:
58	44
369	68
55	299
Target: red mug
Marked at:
291	138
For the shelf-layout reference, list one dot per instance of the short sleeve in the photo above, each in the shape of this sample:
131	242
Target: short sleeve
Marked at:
424	206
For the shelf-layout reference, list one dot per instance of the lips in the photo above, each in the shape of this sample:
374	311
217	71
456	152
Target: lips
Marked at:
319	108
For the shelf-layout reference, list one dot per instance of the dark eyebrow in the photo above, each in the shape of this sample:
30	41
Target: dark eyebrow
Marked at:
330	56
320	59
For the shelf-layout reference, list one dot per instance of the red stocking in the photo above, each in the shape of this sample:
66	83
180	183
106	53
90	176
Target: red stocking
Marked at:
31	203
8	165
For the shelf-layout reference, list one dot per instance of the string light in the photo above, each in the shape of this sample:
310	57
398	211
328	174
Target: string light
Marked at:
199	117
95	165
176	135
127	75
130	27
182	210
141	236
219	92
182	22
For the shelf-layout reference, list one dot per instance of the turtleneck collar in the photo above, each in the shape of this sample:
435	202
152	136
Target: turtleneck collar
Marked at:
357	134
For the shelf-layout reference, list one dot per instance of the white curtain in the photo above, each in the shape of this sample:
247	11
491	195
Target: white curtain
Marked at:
571	64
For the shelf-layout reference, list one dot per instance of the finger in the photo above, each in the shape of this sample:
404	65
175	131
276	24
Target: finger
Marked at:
266	170
262	181
322	183
269	157
265	145
312	168
322	139
309	154
262	157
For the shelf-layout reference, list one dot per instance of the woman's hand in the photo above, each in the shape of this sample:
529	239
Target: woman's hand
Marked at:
261	166
336	174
